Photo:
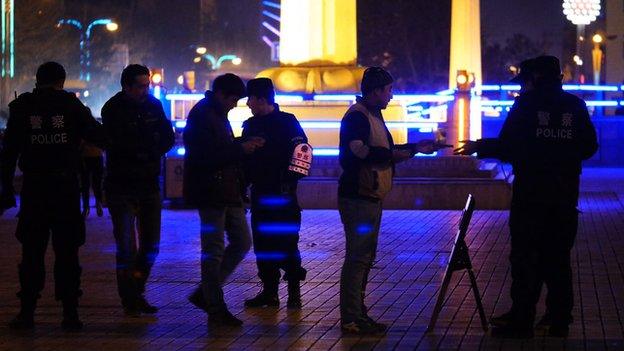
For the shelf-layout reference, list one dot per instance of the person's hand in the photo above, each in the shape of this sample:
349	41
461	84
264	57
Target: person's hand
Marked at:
469	148
401	155
427	146
252	144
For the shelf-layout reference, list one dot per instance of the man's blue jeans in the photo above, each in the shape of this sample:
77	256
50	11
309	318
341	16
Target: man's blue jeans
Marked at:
136	226
217	260
361	220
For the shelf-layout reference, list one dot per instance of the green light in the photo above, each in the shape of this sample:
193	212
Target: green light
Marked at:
3	36
8	40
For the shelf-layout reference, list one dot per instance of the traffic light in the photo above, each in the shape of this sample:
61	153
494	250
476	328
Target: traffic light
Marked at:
157	76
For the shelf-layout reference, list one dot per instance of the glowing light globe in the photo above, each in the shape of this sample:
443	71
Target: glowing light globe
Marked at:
581	12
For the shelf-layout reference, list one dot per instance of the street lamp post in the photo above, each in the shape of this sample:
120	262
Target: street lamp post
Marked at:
216	63
580	13
85	41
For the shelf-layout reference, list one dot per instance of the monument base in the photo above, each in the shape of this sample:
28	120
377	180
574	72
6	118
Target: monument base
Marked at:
315	80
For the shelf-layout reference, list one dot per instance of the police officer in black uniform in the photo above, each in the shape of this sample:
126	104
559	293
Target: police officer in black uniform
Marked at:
275	213
546	136
44	132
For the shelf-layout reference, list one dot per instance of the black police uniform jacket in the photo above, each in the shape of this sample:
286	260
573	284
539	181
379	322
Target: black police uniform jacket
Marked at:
43	135
139	134
546	136
267	168
212	159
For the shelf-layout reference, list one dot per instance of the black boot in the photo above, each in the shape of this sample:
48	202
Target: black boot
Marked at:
223	317
71	322
25	319
294	294
267	297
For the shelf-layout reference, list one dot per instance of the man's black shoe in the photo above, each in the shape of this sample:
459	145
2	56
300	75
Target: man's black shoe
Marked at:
197	299
22	321
224	318
360	327
145	307
71	322
381	327
545	321
263	299
559	331
294	295
512	332
502	320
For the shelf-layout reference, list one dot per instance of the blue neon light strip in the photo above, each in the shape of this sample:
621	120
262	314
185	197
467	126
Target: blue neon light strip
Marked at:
497	102
572	87
271	15
398	97
335	125
605	103
271	4
271	28
601	103
197	97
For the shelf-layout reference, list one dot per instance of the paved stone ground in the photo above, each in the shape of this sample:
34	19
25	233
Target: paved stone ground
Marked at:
413	251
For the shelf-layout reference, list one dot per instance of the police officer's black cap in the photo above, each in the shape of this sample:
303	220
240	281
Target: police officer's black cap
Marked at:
547	66
525	71
261	88
375	77
50	73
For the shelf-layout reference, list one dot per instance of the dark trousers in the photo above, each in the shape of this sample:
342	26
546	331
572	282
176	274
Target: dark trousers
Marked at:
361	220
542	237
136	226
218	261
275	227
91	176
50	207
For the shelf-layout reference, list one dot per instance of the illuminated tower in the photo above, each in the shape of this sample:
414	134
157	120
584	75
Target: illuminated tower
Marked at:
318	47
465	40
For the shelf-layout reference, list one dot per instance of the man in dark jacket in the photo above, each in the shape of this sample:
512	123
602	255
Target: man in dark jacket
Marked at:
214	185
44	132
275	211
139	134
367	157
547	134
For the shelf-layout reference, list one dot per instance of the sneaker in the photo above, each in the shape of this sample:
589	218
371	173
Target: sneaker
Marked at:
224	318
263	299
512	332
197	299
559	331
360	327
145	307
502	320
22	321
